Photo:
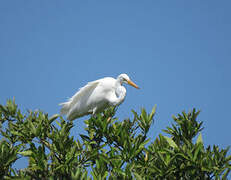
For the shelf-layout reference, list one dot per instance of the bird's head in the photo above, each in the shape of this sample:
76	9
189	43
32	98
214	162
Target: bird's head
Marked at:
124	78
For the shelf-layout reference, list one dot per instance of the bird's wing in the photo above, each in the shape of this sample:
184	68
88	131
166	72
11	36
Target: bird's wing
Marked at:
84	91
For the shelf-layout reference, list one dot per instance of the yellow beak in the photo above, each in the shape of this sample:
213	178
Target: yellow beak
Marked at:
133	84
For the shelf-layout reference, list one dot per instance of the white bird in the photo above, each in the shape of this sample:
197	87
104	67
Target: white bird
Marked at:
96	96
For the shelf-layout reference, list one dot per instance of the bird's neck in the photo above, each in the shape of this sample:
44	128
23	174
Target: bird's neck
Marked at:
120	93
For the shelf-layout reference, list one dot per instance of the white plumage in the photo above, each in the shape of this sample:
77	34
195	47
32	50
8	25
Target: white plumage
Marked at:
96	96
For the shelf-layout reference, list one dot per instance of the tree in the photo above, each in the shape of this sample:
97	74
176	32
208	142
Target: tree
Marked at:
110	149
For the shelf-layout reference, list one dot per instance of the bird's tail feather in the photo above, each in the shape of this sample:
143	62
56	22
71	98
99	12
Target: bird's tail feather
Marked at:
65	107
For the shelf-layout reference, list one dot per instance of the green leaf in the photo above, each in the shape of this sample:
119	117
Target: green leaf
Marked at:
33	129
153	112
3	108
94	174
84	175
16	133
137	176
26	153
170	142
144	143
84	137
52	118
105	175
58	123
225	175
199	139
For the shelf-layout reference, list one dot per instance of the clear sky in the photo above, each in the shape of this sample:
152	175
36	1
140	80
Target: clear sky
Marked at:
178	52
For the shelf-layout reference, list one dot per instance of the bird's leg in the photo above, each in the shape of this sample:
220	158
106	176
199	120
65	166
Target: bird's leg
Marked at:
94	112
93	116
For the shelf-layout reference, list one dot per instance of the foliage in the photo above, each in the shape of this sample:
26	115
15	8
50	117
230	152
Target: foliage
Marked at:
110	149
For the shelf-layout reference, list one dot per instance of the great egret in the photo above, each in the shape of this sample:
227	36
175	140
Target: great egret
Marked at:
96	96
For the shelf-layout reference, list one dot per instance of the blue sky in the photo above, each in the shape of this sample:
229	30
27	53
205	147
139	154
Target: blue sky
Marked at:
178	52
